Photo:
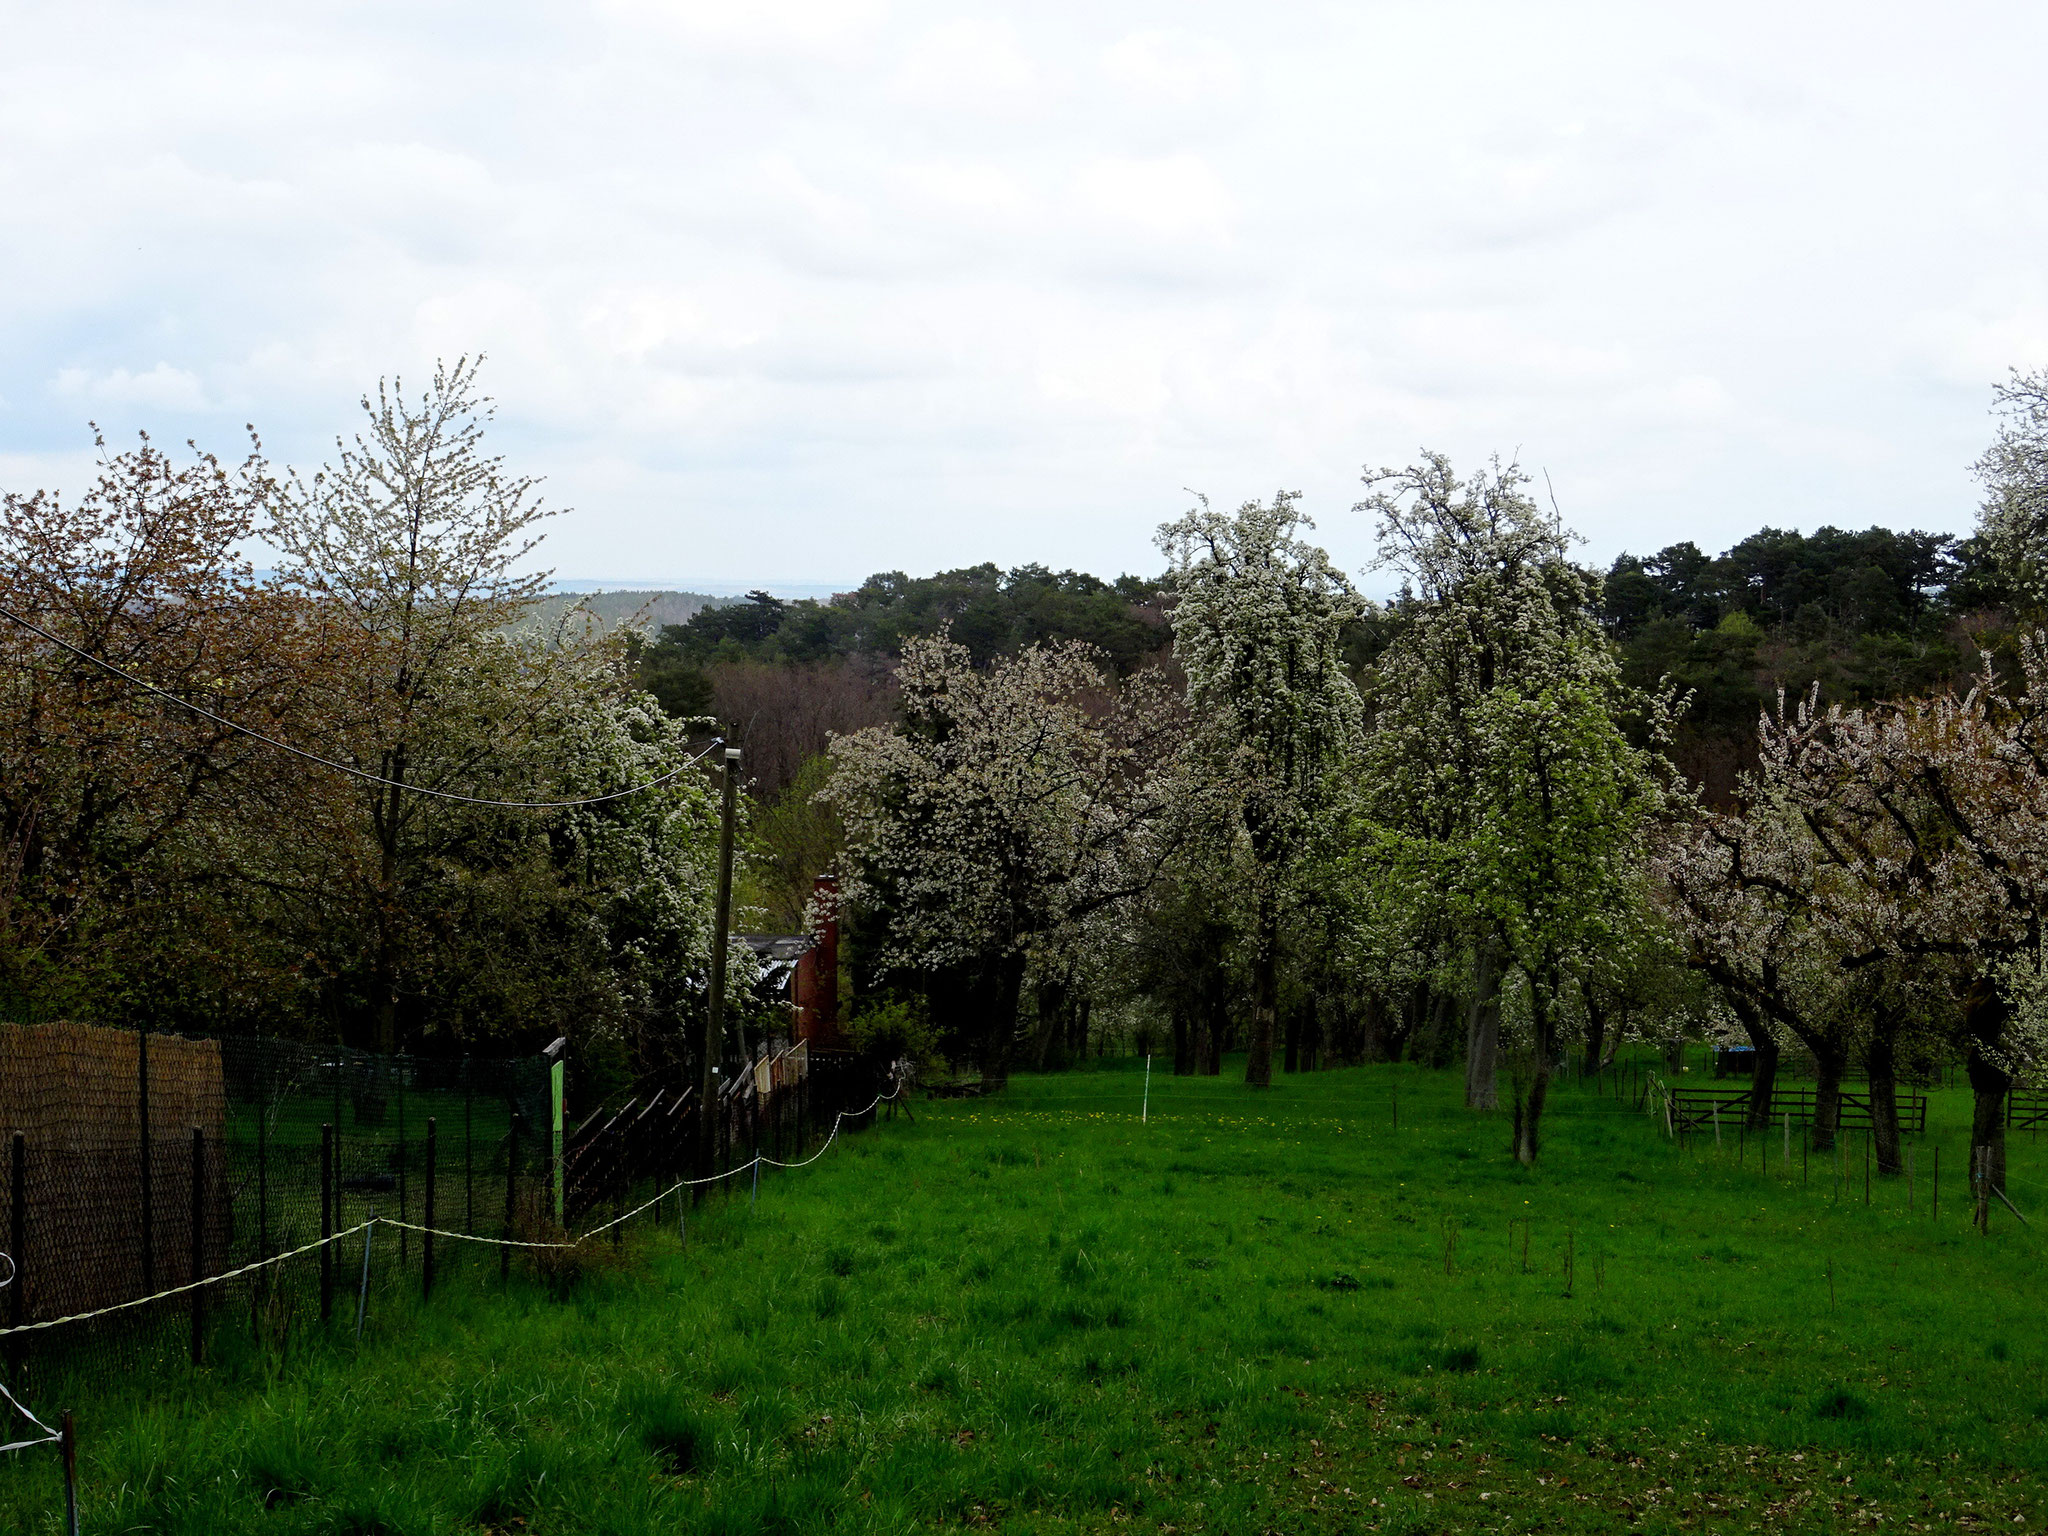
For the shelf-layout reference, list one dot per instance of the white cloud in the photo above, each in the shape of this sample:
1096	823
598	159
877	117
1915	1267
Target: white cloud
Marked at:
768	25
1174	197
1173	68
899	284
972	65
173	389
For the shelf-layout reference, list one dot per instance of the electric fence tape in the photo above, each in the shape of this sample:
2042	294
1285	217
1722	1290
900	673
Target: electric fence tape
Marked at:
50	1436
391	1221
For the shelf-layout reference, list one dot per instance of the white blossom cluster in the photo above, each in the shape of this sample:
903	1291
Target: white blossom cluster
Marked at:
1011	808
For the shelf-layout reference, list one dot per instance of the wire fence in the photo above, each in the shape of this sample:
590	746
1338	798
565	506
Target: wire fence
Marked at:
162	1199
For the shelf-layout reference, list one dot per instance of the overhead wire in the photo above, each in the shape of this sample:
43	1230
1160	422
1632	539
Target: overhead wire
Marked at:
348	768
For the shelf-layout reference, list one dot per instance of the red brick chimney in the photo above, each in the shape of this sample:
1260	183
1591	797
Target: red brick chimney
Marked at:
817	976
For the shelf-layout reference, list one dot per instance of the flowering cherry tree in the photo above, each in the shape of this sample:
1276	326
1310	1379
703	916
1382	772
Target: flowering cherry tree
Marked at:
1931	817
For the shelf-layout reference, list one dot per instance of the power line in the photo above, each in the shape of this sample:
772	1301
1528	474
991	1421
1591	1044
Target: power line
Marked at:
339	767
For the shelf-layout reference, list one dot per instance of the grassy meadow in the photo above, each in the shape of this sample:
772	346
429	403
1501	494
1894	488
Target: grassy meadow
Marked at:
1279	1312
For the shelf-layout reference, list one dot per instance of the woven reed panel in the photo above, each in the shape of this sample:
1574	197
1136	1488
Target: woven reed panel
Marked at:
73	1091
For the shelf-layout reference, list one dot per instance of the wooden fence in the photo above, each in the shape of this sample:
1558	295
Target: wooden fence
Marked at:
2026	1109
1696	1108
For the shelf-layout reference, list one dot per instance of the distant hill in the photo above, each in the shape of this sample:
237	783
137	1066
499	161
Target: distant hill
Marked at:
647	611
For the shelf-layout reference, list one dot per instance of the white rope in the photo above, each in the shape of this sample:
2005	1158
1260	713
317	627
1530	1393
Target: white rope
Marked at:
191	1285
50	1436
647	1205
410	1226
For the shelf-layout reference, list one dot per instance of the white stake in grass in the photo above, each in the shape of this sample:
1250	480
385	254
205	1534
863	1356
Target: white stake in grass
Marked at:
1145	1110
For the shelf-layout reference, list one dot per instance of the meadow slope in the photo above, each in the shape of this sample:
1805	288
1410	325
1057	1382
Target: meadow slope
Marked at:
1245	1313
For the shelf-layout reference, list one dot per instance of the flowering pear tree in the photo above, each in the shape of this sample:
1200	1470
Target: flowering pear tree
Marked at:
1498	671
1010	807
1257	622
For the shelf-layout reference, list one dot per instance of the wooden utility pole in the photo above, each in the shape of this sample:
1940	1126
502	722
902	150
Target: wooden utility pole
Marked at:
714	1017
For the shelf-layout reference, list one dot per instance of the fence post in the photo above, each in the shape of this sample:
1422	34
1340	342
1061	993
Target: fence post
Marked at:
17	1244
198	1245
558	1089
427	1221
511	1185
326	1222
68	1437
142	1124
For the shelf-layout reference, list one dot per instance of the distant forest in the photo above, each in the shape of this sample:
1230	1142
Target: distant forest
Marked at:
1865	615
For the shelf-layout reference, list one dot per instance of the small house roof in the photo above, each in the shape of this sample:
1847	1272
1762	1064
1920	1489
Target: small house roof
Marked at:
784	947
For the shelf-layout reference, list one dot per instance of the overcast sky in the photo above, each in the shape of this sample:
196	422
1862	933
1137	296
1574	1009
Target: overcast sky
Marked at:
796	290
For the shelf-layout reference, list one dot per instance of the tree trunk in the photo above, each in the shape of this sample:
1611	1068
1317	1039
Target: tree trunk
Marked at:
1375	1040
1052	1021
1880	1060
1984	1020
1183	1053
1291	1056
1482	1030
1596	1032
1529	1101
1827	1095
387	821
1989	1084
1215	1024
1258	1062
1002	1029
1763	1083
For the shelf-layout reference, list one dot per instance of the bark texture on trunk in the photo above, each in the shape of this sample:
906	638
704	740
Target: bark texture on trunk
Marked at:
1183	1044
1530	1096
1482	1030
1827	1097
1002	1028
1984	1019
1763	1084
1596	1033
1258	1062
1052	1024
1989	1084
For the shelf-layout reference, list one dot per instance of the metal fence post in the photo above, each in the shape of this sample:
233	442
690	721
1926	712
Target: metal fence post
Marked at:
198	1291
326	1222
427	1221
68	1437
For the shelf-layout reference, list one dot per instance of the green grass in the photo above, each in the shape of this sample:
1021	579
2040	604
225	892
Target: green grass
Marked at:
1036	1313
